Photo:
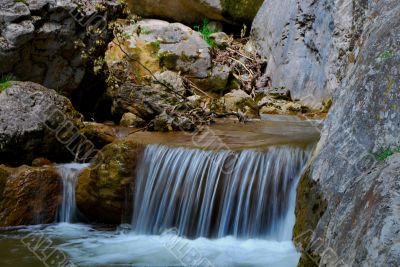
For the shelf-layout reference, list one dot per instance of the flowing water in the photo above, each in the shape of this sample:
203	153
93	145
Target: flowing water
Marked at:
248	194
192	207
69	174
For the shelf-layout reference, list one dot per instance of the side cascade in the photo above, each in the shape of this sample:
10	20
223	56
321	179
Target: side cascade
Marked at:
247	194
69	174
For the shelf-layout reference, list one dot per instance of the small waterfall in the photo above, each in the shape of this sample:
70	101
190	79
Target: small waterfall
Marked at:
69	174
215	194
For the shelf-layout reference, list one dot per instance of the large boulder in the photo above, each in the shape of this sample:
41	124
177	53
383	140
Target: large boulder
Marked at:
153	45
356	168
30	195
194	11
38	39
35	122
105	190
310	45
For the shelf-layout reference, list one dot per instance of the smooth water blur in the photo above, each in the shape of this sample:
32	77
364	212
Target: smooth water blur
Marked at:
247	194
69	174
86	246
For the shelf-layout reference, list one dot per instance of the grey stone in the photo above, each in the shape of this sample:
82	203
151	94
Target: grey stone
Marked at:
220	39
10	13
30	117
18	34
361	222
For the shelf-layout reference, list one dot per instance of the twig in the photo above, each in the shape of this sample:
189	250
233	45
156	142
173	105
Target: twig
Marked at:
244	66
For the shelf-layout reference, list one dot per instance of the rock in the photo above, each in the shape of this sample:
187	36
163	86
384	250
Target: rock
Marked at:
220	39
35	122
231	99
292	107
105	192
358	181
11	11
162	123
162	92
40	162
5	173
31	196
99	134
143	101
131	120
270	110
157	44
217	80
309	45
38	40
279	93
192	12
18	34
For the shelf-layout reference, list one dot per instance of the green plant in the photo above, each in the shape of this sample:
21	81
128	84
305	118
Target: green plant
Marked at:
5	82
206	31
384	153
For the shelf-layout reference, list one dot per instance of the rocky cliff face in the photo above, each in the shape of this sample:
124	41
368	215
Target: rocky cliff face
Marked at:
191	12
311	45
353	166
38	39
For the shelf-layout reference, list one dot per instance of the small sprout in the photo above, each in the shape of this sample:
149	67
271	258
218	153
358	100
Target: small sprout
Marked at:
5	82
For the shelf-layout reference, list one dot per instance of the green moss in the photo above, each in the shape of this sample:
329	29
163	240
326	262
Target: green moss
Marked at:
167	59
5	82
241	10
310	206
385	153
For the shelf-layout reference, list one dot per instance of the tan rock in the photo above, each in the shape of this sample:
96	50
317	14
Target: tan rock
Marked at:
31	196
104	194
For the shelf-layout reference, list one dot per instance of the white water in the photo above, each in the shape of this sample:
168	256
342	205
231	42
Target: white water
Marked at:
88	247
236	208
69	174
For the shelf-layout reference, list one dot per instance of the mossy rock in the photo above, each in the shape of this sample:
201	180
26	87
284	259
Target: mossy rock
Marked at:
105	190
241	10
310	206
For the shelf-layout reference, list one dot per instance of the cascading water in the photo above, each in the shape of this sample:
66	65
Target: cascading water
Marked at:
69	174
243	200
248	194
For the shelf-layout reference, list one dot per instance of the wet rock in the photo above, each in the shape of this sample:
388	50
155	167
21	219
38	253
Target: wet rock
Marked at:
191	12
356	165
131	120
35	122
105	191
40	162
30	196
99	134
